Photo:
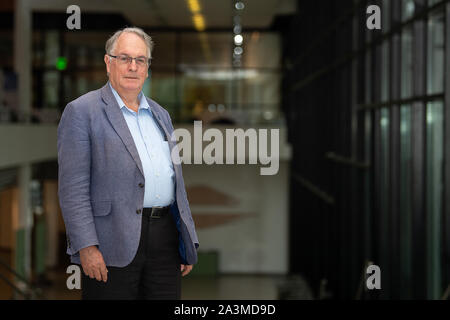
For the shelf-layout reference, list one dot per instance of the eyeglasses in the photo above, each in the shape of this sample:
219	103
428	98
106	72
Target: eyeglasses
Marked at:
124	59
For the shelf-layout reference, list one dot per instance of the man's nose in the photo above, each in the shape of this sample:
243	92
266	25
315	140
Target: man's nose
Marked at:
132	66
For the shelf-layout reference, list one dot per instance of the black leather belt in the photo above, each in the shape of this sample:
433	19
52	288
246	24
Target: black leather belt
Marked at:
155	212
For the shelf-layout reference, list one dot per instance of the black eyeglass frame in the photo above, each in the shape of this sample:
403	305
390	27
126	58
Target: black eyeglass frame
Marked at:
130	59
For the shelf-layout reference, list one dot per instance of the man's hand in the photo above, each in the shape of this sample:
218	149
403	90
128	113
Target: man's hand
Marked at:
185	269
93	264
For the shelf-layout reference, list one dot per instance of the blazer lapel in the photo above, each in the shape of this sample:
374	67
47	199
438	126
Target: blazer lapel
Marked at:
119	124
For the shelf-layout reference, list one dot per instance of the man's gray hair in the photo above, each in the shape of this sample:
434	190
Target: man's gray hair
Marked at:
111	42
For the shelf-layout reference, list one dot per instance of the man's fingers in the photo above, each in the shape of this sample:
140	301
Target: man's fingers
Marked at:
88	272
185	269
104	273
98	274
185	272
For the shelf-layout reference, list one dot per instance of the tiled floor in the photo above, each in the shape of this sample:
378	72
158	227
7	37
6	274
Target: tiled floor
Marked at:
230	287
235	287
224	287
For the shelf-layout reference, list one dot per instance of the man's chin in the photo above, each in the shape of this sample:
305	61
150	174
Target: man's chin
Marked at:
131	85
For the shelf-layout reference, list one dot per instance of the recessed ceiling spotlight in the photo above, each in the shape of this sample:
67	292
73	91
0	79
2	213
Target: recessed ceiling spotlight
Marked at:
238	50
199	22
194	6
239	5
238	39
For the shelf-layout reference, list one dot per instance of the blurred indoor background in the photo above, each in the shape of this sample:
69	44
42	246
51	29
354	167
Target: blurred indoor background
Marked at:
364	116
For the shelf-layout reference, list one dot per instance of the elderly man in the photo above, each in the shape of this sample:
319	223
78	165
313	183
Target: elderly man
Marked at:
123	199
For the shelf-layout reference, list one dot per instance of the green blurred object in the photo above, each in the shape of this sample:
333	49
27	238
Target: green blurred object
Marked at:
61	63
208	264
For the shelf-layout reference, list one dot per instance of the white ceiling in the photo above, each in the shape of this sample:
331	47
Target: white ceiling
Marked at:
175	13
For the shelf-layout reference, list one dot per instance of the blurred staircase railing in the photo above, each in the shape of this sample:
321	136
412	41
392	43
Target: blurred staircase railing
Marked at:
25	288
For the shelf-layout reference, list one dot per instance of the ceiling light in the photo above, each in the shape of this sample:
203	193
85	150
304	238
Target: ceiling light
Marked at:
238	39
239	5
199	22
194	6
238	50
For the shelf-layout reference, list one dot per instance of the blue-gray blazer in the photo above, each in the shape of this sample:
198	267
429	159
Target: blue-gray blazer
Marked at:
100	174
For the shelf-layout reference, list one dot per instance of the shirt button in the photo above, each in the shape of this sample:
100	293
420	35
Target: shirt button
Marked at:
141	185
138	211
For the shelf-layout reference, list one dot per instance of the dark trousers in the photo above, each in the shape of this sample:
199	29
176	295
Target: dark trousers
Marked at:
154	272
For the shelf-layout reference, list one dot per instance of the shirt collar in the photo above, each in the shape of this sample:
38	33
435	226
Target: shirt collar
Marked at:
143	104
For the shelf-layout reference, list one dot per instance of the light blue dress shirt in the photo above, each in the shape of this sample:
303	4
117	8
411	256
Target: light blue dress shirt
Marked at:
153	151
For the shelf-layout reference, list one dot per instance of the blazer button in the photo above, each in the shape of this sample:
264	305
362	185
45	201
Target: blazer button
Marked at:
138	211
141	185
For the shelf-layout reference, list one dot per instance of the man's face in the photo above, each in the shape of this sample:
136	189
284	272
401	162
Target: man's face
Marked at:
128	77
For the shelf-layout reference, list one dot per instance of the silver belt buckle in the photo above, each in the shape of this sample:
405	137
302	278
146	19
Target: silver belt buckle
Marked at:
155	216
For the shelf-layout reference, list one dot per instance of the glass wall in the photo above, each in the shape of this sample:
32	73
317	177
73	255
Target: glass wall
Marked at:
384	236
384	122
408	8
434	174
435	53
385	76
406	62
191	74
8	79
418	162
368	190
405	202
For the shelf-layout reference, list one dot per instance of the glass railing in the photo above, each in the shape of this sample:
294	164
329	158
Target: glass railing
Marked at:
245	114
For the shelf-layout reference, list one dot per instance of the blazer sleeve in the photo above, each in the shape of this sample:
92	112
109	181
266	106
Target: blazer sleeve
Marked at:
74	163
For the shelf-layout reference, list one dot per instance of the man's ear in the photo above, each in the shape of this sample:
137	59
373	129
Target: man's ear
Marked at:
107	62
